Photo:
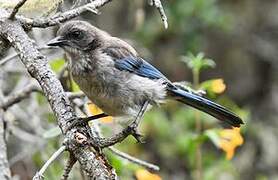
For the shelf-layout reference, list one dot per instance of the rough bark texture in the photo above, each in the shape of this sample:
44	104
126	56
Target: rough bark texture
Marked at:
4	45
12	33
4	165
37	66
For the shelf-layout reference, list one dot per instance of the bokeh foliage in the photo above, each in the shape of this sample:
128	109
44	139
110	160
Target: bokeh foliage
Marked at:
171	139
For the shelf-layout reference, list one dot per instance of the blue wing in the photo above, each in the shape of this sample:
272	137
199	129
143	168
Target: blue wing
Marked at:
125	60
140	67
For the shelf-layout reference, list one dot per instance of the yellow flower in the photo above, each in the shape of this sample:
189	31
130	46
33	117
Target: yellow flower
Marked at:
218	86
94	110
142	174
229	140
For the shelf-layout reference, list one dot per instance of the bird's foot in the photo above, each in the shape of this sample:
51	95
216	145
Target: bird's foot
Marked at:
201	92
82	122
76	122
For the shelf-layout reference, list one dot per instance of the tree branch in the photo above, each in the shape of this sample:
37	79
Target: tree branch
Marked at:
70	163
5	173
16	8
123	155
10	57
95	165
19	96
37	66
55	155
133	159
158	5
62	17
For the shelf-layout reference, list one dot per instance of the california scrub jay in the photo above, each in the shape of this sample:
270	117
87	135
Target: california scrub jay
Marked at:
114	77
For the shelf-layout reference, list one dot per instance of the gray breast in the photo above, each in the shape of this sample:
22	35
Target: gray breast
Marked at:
116	92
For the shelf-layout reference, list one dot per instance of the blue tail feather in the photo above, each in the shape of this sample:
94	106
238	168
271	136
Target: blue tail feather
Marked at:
203	104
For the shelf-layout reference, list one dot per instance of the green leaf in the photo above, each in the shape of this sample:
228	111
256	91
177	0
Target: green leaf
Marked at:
198	62
213	135
57	64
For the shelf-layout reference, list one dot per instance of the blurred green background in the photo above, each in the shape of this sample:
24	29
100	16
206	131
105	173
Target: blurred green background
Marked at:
226	47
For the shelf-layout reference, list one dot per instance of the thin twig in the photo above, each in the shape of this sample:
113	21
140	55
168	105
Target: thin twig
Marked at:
19	96
134	160
4	165
98	141
24	135
39	175
16	9
27	152
71	161
12	56
117	138
123	155
158	5
37	66
62	17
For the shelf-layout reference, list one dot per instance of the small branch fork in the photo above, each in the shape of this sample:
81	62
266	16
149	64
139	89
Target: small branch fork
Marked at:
123	155
70	14
17	97
16	9
12	56
36	64
62	17
132	129
39	175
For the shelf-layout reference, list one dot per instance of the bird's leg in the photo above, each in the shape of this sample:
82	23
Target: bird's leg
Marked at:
83	121
134	125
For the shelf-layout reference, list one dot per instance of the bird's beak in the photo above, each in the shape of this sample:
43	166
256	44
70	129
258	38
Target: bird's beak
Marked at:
57	41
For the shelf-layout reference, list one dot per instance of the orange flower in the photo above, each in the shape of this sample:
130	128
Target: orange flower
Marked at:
142	174
229	140
218	86
94	110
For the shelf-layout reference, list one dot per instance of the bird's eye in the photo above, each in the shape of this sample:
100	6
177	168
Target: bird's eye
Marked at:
76	35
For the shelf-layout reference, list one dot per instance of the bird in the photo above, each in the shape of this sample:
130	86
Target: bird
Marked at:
118	80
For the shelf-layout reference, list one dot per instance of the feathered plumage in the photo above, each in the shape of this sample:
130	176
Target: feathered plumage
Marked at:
111	73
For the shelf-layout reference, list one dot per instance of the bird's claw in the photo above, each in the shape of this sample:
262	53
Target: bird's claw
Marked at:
82	122
201	92
76	122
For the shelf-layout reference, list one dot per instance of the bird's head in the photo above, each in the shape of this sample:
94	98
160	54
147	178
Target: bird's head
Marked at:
78	36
